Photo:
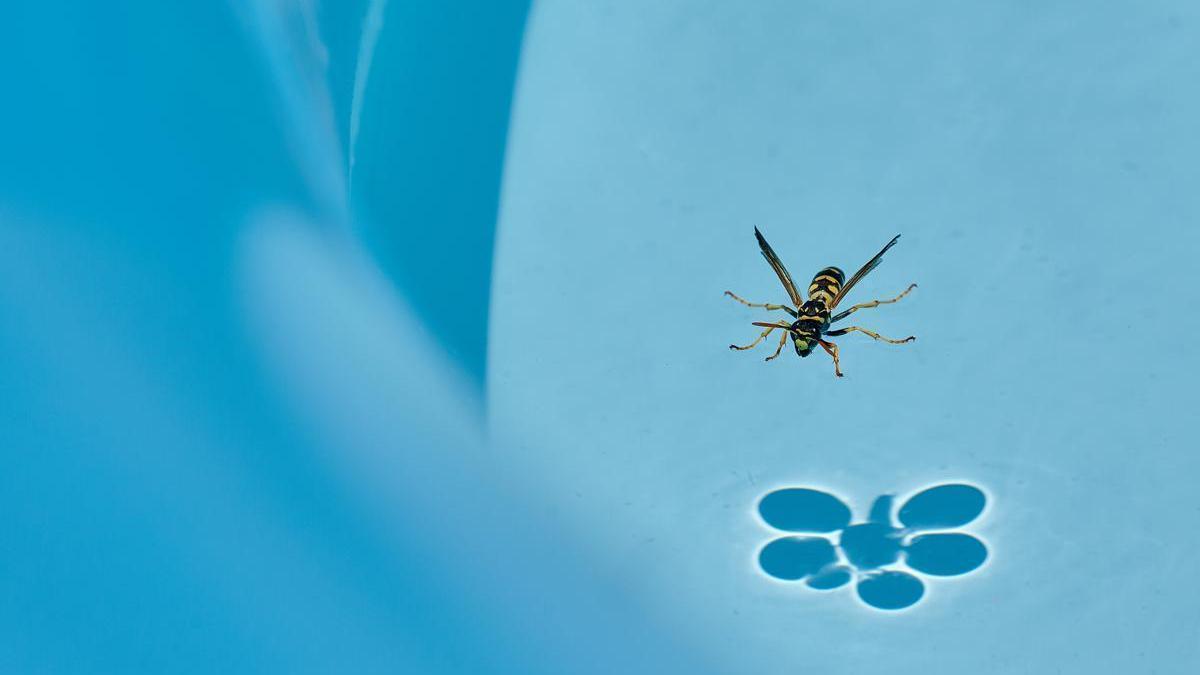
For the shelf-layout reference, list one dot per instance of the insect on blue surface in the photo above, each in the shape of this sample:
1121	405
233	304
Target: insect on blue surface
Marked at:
813	317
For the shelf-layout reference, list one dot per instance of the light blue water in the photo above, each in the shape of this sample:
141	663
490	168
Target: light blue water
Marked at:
390	336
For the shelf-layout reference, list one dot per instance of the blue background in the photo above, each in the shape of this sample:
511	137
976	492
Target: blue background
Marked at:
390	337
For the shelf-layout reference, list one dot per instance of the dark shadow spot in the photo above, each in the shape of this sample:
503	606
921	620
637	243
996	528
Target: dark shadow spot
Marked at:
793	558
804	510
943	506
890	590
870	545
945	554
870	552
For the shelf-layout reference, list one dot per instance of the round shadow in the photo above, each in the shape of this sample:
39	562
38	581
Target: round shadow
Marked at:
890	590
793	558
804	510
943	506
945	555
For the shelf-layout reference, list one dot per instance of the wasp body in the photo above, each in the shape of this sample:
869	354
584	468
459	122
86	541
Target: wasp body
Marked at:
814	316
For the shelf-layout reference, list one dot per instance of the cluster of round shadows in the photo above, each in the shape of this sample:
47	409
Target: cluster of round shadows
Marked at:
878	555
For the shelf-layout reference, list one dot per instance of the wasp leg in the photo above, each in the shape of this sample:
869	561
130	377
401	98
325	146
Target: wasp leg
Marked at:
873	334
869	305
782	341
754	344
768	306
833	351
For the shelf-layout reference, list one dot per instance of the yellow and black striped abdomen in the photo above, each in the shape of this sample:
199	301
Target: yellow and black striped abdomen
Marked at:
825	286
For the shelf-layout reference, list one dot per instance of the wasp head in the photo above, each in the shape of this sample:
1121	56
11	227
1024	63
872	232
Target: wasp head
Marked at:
804	342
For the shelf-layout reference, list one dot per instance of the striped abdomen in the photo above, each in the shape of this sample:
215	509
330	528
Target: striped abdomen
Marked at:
825	286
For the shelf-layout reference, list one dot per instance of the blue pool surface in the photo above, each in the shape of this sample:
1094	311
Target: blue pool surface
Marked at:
392	336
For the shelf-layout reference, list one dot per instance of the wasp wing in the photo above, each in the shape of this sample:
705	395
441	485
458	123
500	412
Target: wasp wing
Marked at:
780	270
866	269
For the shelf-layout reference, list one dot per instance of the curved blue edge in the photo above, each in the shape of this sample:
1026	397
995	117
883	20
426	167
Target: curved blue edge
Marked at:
430	156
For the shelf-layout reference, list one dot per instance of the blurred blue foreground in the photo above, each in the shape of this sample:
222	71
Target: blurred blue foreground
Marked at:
230	442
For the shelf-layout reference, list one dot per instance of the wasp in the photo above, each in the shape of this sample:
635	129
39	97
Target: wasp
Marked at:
814	316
